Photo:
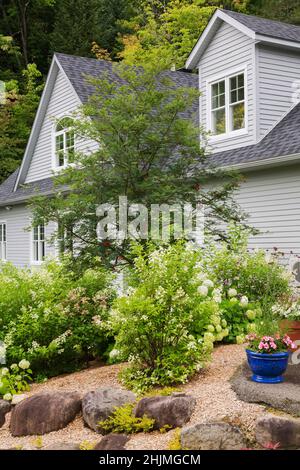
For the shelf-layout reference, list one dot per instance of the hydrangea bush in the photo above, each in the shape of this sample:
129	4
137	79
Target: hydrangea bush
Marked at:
15	379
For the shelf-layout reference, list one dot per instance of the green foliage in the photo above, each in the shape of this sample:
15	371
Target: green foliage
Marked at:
15	379
130	159
252	273
16	118
161	324
123	421
55	321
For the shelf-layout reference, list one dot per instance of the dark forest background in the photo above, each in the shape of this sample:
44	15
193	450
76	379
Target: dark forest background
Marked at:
129	30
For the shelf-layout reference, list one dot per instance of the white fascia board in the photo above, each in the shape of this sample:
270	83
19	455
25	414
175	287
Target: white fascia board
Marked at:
274	161
209	31
268	40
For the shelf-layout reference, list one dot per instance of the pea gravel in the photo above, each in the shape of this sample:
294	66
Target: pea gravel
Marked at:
215	401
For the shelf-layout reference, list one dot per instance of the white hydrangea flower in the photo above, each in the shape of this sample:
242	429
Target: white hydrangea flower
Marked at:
232	292
4	371
208	283
244	301
7	397
24	364
203	290
114	354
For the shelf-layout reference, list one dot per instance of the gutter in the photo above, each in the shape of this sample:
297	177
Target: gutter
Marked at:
273	161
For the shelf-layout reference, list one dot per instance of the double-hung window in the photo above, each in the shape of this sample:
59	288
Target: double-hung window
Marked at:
228	104
38	243
2	241
65	239
64	143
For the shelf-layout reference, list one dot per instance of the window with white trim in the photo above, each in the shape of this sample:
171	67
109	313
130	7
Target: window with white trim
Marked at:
228	105
64	143
38	243
65	239
3	241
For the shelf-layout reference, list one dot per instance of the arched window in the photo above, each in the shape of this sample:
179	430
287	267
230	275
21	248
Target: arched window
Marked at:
64	142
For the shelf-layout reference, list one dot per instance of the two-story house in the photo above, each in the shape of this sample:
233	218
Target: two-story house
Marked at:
248	75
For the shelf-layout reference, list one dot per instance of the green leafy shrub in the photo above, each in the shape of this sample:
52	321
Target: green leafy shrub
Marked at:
162	323
232	265
15	379
123	421
61	323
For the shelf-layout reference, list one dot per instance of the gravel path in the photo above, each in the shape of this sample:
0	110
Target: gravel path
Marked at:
215	401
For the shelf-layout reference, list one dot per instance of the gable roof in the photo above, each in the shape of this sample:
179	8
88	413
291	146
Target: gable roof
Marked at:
266	27
259	29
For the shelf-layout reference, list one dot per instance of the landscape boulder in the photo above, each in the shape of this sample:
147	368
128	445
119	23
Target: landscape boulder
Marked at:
174	410
284	431
4	409
212	436
112	442
101	403
43	413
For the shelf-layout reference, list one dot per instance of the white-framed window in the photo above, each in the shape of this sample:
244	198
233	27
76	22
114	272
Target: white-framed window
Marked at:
38	243
228	104
64	143
3	241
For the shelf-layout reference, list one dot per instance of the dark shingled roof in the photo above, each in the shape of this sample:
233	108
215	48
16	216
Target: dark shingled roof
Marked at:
274	29
284	139
9	196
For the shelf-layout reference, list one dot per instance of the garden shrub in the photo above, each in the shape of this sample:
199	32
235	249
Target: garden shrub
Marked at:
251	273
15	379
162	323
60	324
123	420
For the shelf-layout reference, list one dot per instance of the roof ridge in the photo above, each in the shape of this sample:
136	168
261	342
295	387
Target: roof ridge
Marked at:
263	18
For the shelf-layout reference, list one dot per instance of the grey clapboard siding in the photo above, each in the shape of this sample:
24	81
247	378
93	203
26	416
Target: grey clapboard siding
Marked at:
272	200
63	101
278	70
19	239
228	50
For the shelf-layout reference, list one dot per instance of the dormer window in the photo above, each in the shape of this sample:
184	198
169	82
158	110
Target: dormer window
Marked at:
228	105
64	143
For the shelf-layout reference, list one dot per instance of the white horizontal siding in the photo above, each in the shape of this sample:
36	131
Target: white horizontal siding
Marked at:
228	50
18	238
63	101
278	70
271	198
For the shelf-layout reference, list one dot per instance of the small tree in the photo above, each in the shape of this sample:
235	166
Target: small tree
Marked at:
148	151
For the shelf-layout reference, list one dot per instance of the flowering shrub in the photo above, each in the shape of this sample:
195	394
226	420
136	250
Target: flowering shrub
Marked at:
169	320
15	379
270	344
288	309
258	277
61	323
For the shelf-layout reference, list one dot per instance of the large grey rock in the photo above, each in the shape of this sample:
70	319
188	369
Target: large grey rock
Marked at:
101	403
62	446
44	413
112	442
4	409
278	430
174	410
212	436
284	396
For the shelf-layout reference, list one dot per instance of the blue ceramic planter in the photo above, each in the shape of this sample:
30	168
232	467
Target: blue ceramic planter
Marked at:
267	368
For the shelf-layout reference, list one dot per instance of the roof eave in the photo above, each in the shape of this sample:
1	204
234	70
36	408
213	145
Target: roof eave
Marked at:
266	163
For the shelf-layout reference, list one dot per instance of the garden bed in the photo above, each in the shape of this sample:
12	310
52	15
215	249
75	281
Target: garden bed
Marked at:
216	401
